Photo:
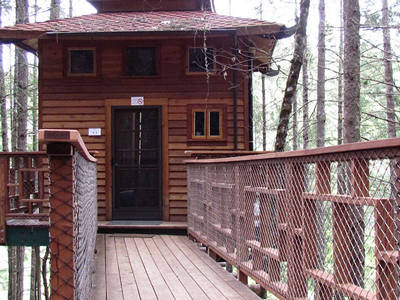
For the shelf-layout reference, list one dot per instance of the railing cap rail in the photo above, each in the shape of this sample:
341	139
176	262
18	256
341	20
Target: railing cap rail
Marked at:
73	137
351	147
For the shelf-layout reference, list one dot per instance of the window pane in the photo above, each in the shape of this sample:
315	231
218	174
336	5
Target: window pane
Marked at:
199	123
141	61
197	59
214	123
81	61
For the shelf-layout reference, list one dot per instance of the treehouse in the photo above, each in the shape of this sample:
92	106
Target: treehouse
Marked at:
124	94
143	82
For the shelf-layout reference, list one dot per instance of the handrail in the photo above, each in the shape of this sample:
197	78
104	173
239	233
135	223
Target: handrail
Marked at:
73	137
328	215
345	148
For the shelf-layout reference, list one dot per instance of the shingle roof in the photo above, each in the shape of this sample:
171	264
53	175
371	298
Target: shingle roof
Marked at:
142	22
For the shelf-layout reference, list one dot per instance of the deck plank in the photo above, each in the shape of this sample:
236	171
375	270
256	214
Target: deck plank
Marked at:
99	290
240	288
183	276
206	285
160	267
145	288
129	287
113	282
176	287
160	286
208	271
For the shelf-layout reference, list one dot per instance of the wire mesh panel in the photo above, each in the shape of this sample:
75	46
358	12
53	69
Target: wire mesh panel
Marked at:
73	224
311	224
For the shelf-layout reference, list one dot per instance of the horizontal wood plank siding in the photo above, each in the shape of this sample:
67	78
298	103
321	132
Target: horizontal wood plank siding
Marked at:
79	103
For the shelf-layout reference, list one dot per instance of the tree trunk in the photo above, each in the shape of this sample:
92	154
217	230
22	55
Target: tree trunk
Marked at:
387	54
3	96
294	127
16	254
21	81
351	126
71	9
340	80
55	9
390	110
305	97
321	117
291	84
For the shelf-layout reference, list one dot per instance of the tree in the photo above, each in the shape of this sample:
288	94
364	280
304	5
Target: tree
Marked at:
3	95
305	97
351	126
387	55
321	117
291	84
55	9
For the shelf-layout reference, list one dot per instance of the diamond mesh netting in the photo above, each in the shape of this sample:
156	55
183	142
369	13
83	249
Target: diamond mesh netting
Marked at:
323	226
73	219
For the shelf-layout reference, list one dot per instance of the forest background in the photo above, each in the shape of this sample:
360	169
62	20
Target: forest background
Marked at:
316	117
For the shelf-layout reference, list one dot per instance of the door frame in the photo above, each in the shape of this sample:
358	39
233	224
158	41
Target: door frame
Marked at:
163	103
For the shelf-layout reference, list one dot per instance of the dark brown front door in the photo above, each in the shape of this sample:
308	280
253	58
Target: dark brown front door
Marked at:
137	182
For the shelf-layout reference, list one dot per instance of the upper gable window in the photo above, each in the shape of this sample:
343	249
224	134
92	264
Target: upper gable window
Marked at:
201	60
141	61
82	61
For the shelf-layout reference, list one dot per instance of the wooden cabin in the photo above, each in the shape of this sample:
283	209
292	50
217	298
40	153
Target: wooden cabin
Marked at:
143	82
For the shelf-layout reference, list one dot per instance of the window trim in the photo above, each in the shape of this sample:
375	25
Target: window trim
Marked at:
95	68
213	72
157	61
207	109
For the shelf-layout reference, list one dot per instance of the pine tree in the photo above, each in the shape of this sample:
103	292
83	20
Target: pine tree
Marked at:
291	84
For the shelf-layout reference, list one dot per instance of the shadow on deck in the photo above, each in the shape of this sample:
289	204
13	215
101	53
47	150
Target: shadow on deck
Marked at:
133	266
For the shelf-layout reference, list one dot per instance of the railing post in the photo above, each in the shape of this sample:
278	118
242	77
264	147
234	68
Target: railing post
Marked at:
385	242
61	222
3	197
297	282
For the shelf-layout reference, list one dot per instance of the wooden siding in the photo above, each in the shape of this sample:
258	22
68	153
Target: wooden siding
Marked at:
81	103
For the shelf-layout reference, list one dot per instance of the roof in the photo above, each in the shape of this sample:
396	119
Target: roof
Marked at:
258	32
143	22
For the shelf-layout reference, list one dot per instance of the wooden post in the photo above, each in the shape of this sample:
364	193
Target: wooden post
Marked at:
61	226
268	223
297	281
3	198
385	241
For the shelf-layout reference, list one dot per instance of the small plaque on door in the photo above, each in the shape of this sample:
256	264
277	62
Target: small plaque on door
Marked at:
136	101
94	132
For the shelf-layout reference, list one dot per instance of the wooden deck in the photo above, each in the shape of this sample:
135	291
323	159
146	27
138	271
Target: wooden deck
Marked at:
160	267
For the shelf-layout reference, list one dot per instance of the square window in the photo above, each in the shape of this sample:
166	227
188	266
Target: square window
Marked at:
141	61
201	60
82	62
206	123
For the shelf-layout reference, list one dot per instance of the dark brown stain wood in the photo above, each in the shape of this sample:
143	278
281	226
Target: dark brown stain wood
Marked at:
83	103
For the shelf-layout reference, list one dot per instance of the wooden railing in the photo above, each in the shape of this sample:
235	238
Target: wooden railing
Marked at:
24	190
57	191
321	223
73	214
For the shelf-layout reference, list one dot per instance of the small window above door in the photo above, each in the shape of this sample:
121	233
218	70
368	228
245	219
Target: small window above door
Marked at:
200	60
81	62
141	61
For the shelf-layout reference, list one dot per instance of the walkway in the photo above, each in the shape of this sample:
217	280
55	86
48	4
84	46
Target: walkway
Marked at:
160	267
